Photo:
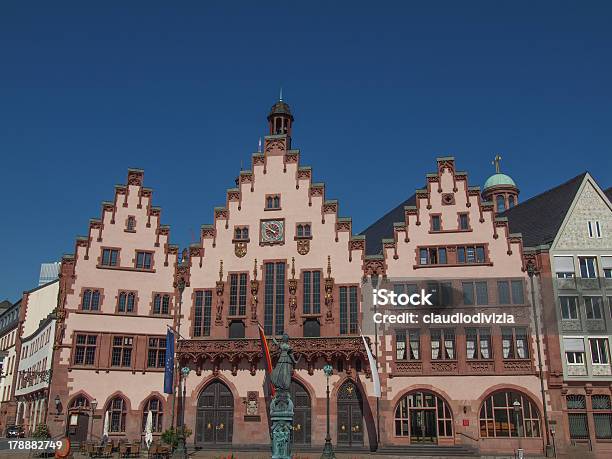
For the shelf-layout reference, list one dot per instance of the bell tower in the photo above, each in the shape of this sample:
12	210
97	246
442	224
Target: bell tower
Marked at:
280	119
500	189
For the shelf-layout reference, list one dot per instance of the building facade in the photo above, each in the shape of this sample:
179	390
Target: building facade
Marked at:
9	322
279	254
568	230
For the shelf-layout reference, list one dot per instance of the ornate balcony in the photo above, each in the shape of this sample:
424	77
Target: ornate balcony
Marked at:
235	351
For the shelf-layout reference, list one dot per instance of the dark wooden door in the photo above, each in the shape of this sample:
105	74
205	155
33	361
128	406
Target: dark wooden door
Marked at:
302	414
350	415
77	433
215	415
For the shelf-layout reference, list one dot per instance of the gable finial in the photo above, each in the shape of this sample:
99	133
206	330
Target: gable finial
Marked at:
221	271
328	266
292	267
255	270
496	162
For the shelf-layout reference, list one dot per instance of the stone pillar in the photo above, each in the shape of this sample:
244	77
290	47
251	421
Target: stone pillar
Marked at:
281	414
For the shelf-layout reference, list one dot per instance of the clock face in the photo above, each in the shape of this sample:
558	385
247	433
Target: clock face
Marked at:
272	231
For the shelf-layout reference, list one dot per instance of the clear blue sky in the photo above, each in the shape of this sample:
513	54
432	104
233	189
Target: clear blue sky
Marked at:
378	89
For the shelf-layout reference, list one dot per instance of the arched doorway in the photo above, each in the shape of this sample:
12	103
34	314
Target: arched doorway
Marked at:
424	417
302	414
215	415
350	415
78	419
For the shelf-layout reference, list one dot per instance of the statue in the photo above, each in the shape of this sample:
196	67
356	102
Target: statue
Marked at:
281	406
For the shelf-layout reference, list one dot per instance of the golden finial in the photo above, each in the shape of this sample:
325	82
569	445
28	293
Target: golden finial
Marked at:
255	270
221	270
496	161
328	266
292	267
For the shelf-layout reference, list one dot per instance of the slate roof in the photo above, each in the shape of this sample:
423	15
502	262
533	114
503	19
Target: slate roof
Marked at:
383	227
539	218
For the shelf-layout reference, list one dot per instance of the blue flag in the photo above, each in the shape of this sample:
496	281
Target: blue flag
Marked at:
169	370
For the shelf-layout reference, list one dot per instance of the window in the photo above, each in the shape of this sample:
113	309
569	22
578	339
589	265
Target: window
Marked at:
593	307
606	263
303	230
602	416
236	329
131	224
499	419
117	411
503	292
482	293
433	256
501	203
85	349
569	307
91	300
273	202
594	229
126	302
471	254
475	293
238	294
274	298
599	351
202	312
443	344
435	223
110	257
464	223
518	296
408	289
156	353
478	343
407	345
154	405
574	350
577	417
588	267
312	292
348	310
161	303
122	351
312	328
514	343
564	267
511	201
241	233
143	260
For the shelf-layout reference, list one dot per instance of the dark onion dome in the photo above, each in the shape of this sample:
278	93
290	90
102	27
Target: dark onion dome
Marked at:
280	108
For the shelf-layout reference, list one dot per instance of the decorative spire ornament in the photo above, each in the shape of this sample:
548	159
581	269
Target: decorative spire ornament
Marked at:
496	162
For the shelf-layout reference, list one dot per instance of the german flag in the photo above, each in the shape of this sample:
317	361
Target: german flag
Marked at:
266	352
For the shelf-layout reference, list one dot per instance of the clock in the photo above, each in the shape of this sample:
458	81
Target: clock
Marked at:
272	231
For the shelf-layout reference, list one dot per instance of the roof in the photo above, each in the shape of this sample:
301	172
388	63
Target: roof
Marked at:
383	227
280	107
539	218
608	193
499	179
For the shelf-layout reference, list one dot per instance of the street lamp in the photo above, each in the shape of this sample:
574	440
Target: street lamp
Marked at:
181	448
517	409
328	450
94	405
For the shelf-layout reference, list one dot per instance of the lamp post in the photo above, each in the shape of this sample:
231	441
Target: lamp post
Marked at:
517	409
94	405
328	450
181	448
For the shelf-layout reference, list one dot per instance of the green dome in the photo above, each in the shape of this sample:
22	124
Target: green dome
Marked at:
499	179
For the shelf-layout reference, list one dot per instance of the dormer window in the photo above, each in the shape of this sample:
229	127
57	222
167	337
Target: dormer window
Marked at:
302	230
241	233
273	202
130	224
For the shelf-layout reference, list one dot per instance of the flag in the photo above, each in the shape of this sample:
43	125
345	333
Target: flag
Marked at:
373	368
266	352
169	369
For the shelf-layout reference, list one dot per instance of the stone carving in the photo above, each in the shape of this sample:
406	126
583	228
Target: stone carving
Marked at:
254	291
303	246
252	404
329	293
292	291
219	289
240	249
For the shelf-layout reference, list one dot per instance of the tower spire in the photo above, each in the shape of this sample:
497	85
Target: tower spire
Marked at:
280	95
